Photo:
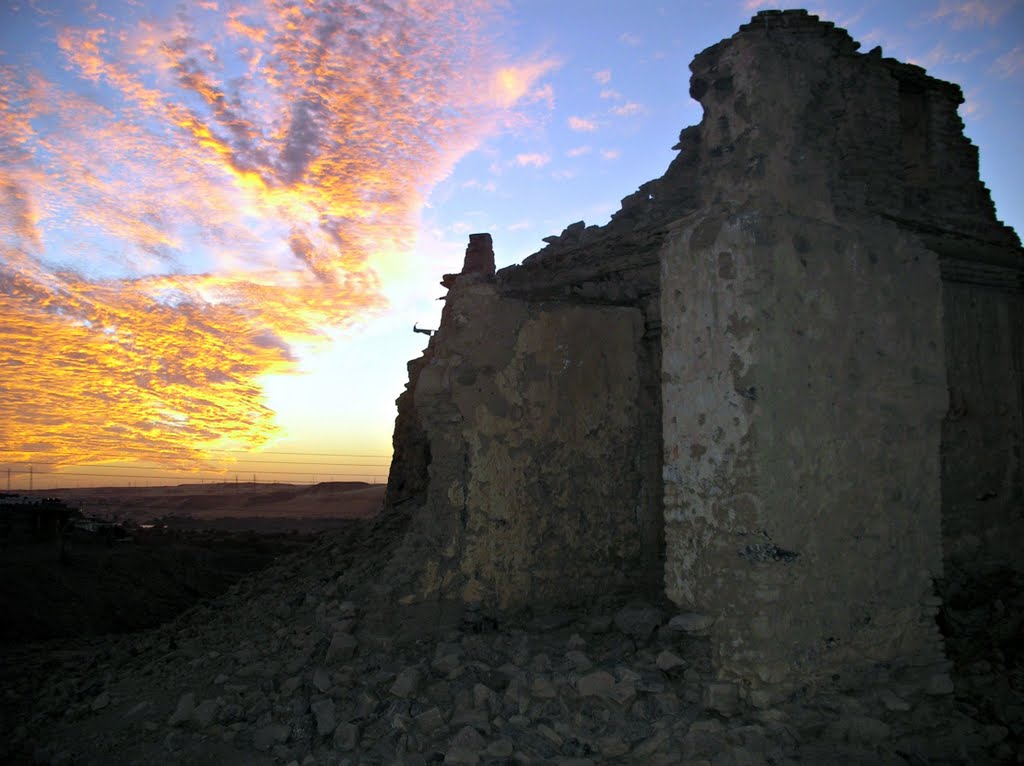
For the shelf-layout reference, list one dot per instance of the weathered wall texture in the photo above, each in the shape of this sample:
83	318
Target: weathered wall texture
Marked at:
983	432
805	352
787	374
517	394
802	449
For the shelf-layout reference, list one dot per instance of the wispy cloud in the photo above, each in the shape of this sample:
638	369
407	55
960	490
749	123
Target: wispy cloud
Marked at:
941	54
1011	63
610	93
192	196
578	151
610	154
961	14
603	76
512	83
627	109
582	124
488	186
627	38
544	94
536	160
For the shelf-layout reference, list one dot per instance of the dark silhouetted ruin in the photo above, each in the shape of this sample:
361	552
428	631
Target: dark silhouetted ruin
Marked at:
782	385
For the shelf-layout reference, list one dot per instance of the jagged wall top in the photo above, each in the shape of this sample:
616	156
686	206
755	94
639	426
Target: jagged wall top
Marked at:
795	118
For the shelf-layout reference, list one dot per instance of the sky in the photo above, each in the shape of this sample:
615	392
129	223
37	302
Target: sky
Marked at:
219	221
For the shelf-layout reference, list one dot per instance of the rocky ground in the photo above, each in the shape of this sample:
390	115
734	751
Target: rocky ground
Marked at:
314	661
97	587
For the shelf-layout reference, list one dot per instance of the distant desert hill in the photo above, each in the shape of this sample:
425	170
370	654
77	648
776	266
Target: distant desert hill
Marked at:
339	500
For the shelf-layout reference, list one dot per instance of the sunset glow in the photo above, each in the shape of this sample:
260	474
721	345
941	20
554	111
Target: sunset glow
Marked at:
220	220
200	191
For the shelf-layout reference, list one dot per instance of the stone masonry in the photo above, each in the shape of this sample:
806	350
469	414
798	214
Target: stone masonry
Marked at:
784	383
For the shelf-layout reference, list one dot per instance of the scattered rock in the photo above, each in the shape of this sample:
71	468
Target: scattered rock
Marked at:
407	683
722	697
639	621
342	648
597	684
859	728
667	661
184	710
205	713
346	737
272	734
691	622
323	711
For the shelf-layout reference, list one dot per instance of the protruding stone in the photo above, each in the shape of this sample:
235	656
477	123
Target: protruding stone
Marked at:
939	684
272	734
639	621
205	713
407	683
479	260
183	711
691	622
346	737
343	647
323	711
667	661
722	697
597	684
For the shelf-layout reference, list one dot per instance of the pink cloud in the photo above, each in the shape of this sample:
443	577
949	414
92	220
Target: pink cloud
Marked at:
582	124
1011	63
627	109
962	14
536	160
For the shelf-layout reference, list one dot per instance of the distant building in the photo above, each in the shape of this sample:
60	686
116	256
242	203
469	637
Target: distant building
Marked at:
27	519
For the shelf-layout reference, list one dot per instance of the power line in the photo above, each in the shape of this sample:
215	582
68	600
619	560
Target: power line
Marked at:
312	454
225	480
150	468
229	452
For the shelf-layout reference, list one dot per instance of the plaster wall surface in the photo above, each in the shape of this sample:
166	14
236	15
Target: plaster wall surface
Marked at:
802	449
531	412
983	432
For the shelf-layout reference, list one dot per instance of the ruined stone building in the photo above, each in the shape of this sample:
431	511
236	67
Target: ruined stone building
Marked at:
783	385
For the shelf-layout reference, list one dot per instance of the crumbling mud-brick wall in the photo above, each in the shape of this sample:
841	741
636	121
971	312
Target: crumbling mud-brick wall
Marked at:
809	344
528	443
786	377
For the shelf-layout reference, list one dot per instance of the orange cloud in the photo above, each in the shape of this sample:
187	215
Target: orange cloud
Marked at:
511	83
183	200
